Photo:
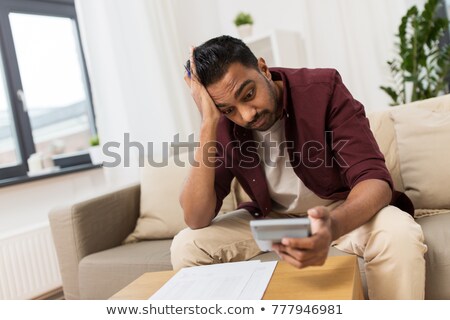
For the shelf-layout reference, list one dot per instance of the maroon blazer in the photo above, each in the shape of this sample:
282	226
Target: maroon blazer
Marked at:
330	144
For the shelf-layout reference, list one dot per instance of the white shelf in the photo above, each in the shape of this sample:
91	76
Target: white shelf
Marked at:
279	48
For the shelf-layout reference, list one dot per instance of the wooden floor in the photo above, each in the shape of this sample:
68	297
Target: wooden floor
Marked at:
56	294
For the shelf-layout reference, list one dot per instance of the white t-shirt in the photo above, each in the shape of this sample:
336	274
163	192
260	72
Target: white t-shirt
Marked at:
287	191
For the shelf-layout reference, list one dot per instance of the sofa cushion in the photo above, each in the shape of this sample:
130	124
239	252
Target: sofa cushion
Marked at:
104	273
161	216
420	213
382	127
423	140
437	236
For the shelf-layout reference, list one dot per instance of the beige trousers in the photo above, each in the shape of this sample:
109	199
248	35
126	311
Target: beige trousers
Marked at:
391	244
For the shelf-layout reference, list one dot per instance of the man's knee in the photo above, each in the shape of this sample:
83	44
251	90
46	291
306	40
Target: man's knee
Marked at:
185	250
396	231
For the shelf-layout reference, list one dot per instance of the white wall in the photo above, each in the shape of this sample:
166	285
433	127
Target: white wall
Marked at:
26	206
267	15
196	21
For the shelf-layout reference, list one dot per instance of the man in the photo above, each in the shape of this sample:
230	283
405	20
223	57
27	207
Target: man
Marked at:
298	143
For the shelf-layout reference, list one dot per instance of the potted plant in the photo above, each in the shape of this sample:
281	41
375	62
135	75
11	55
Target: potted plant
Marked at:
422	65
244	24
95	151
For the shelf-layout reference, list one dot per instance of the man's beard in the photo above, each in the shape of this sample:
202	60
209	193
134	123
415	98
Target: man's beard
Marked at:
275	108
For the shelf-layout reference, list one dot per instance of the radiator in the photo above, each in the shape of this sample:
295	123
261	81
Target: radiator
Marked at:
28	265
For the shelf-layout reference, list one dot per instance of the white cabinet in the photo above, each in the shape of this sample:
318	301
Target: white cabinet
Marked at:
279	48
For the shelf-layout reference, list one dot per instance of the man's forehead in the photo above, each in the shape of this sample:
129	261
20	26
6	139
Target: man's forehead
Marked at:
223	88
237	77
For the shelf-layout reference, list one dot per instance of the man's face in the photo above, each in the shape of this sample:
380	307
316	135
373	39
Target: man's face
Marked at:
247	96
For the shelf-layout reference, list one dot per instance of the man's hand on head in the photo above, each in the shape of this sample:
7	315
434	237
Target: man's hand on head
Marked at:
311	251
203	100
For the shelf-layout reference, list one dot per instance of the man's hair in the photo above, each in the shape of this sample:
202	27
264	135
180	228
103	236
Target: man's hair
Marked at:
213	58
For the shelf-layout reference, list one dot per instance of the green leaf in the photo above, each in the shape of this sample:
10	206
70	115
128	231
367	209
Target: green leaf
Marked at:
419	61
391	92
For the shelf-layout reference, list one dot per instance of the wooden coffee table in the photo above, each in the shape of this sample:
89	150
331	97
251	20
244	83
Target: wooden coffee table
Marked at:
337	279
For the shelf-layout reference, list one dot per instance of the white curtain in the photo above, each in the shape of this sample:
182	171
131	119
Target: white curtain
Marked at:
356	37
136	71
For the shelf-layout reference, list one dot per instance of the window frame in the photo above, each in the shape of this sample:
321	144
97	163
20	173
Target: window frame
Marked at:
443	13
22	124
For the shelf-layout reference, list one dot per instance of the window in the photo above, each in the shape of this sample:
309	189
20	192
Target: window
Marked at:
45	99
444	11
447	9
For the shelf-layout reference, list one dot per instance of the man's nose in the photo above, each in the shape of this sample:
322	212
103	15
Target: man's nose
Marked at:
248	114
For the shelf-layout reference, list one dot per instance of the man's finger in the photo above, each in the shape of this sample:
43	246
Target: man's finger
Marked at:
187	79
319	213
290	260
316	260
297	254
313	261
192	62
300	243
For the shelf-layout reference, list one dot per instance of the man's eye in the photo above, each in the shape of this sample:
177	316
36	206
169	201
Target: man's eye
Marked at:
250	94
227	111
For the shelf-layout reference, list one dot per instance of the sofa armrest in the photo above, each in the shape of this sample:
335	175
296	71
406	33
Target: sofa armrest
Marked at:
91	226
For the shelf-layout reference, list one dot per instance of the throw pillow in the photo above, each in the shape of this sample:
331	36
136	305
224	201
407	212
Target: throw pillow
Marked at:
161	216
423	140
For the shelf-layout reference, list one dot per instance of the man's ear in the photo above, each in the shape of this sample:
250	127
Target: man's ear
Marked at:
264	68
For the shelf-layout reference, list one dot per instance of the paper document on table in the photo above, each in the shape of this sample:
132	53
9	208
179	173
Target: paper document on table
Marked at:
225	281
255	288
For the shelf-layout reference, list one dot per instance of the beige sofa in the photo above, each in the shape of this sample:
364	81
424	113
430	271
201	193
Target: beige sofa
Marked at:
89	236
